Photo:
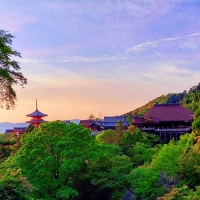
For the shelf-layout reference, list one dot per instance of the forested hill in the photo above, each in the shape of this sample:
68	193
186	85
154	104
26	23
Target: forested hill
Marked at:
188	99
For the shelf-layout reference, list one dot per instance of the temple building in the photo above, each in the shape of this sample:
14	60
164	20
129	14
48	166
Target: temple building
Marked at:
166	120
36	117
17	130
93	125
111	122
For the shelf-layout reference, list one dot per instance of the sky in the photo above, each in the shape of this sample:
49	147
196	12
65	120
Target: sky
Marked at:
100	57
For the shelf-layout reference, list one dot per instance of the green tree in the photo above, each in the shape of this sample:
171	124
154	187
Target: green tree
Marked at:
9	144
9	71
30	128
53	158
13	185
66	162
108	137
109	172
145	183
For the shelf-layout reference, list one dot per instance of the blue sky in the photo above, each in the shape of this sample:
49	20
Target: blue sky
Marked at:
108	57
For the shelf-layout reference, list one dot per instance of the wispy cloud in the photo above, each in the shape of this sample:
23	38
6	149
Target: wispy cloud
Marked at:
151	44
74	59
188	46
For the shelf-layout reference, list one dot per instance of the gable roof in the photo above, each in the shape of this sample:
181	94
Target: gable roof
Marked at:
115	119
138	120
169	112
36	113
97	123
20	128
9	130
112	121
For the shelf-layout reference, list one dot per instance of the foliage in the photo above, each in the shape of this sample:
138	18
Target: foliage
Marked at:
181	193
65	162
9	144
30	128
13	185
52	158
112	136
107	136
145	183
109	172
9	71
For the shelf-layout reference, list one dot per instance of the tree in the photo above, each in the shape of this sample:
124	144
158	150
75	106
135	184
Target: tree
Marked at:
64	161
108	137
145	183
30	128
53	158
13	185
9	144
9	71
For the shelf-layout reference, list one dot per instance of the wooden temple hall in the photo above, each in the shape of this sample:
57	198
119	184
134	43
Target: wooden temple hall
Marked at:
166	120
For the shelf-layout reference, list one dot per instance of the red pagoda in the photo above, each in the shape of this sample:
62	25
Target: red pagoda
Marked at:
36	117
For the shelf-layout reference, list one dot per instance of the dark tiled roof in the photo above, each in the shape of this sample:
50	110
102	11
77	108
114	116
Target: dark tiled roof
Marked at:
36	113
112	121
20	128
115	119
138	120
98	123
168	112
86	122
113	124
9	130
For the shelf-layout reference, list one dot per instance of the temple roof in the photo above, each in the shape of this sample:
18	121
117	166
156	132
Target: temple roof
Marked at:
112	121
20	128
36	113
85	122
9	130
169	113
97	123
138	120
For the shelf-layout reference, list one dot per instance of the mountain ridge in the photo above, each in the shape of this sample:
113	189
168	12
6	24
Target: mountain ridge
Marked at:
188	99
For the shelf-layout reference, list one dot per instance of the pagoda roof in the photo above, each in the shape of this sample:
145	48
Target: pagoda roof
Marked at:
36	113
168	113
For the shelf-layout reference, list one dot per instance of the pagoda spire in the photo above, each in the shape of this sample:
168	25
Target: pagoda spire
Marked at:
36	105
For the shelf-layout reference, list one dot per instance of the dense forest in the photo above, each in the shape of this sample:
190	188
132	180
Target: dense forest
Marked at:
65	161
188	99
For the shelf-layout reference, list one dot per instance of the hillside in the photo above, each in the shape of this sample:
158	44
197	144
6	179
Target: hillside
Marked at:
188	99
